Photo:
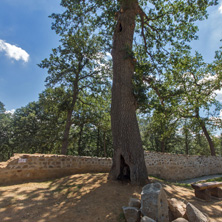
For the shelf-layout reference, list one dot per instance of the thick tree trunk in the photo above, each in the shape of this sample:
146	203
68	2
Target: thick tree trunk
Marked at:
98	142
65	141
210	142
80	151
104	145
186	143
162	144
186	138
128	159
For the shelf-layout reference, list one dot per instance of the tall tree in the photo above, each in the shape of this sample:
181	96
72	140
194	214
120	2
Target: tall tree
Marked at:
92	119
75	66
53	103
6	148
160	25
198	82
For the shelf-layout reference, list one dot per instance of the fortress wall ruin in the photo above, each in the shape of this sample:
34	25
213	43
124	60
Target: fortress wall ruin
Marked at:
173	167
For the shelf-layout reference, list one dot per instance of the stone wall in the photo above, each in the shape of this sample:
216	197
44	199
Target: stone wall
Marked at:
29	167
177	167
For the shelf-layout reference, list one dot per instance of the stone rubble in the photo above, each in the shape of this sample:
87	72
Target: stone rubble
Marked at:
177	208
154	207
132	214
147	219
193	214
133	202
154	202
180	219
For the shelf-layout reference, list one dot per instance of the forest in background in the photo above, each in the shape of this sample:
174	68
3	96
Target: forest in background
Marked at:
39	127
176	102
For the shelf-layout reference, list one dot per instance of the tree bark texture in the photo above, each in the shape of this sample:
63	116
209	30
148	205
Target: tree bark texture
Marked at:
98	142
186	139
104	145
65	141
80	149
210	142
162	145
186	143
128	159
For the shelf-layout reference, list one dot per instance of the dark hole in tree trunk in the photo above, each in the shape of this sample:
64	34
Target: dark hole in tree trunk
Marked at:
120	27
124	170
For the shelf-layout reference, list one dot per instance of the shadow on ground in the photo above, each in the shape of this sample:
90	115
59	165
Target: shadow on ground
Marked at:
212	208
82	197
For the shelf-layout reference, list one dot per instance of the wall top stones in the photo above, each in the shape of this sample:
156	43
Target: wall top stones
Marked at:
27	167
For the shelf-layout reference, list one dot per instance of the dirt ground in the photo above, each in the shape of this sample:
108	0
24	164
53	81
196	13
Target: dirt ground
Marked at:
83	197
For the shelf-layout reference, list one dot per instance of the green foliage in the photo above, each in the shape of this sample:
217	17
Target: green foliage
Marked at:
38	127
218	179
78	65
35	130
121	217
171	87
6	132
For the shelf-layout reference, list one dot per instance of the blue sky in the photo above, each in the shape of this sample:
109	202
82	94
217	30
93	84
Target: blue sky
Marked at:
26	38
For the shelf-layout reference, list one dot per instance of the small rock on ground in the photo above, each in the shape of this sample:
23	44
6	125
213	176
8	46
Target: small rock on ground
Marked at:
131	214
193	214
147	219
180	219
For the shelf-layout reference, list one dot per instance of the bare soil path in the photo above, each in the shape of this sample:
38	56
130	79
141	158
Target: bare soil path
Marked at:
82	197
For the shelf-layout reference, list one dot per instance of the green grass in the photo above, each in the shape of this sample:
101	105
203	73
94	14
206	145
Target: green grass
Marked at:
171	183
186	185
121	217
218	179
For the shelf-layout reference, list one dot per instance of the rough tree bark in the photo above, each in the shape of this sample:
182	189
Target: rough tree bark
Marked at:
98	142
210	142
104	145
186	143
186	139
128	159
80	151
162	145
65	141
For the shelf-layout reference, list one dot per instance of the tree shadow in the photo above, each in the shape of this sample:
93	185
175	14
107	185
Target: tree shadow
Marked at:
212	208
83	197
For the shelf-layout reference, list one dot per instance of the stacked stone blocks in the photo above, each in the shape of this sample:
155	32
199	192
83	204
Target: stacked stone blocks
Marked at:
174	167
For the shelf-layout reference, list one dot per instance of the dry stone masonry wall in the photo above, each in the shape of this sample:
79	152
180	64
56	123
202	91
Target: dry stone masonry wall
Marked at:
177	167
29	167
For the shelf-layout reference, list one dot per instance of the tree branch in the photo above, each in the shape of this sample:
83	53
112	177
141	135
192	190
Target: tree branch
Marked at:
150	80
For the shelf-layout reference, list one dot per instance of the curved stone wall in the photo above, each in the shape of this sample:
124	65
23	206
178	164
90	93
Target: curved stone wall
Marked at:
30	167
177	167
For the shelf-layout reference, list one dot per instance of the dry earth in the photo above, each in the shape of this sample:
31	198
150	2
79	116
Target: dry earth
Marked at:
83	197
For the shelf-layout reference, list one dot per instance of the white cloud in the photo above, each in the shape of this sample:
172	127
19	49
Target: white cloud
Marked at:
13	51
220	8
10	111
211	78
219	96
208	78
